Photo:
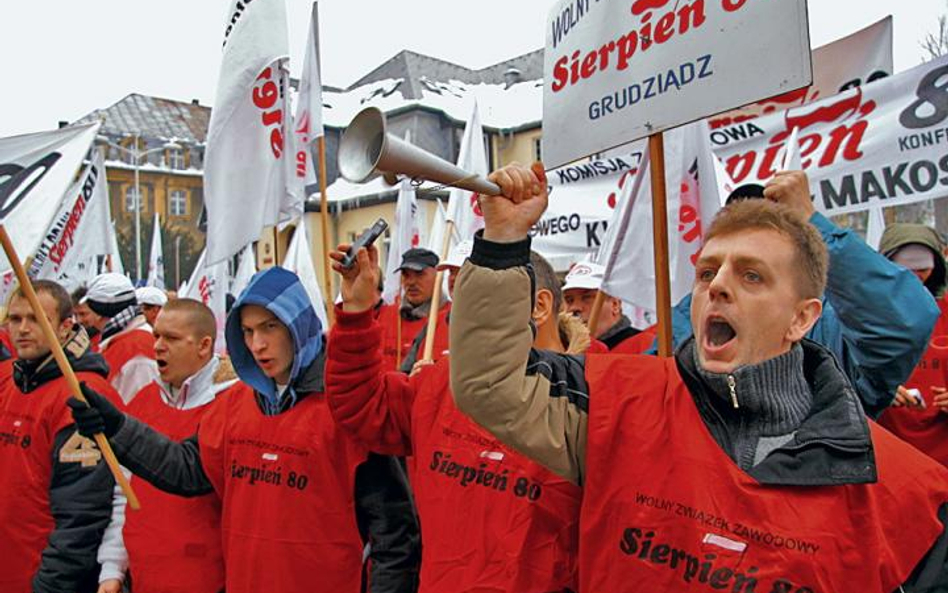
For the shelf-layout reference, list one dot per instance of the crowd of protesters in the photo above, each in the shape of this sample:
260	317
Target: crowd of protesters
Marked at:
795	441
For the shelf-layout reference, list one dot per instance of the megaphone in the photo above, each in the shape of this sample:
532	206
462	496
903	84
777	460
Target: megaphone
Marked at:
367	150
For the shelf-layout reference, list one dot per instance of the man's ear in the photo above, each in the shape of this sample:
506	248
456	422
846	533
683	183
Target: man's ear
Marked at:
543	307
807	313
206	346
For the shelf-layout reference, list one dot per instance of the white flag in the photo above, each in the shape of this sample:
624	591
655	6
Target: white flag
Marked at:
299	260
463	208
694	194
113	262
208	284
79	231
156	259
406	234
245	271
875	227
36	170
245	172
309	112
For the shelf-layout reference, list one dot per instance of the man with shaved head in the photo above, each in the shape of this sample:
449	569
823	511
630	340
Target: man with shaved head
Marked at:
173	544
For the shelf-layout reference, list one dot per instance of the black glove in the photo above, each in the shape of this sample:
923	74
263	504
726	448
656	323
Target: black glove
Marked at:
99	416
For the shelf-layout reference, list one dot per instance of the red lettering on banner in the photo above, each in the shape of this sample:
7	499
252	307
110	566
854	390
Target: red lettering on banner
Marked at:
204	287
265	96
59	250
613	198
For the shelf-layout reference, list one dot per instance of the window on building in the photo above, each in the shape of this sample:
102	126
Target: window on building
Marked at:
130	200
175	158
538	148
178	203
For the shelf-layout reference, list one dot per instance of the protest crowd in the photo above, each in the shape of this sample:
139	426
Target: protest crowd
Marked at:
773	419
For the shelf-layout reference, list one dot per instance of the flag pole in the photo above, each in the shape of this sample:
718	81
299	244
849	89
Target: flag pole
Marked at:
57	350
656	150
594	314
434	309
324	227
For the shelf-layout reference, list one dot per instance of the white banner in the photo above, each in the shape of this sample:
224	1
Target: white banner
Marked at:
881	144
618	71
156	259
246	170
463	208
405	234
36	171
245	271
208	284
860	58
299	260
79	232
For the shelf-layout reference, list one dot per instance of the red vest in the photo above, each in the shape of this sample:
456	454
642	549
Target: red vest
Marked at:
287	488
491	519
665	509
637	344
926	429
122	348
389	319
28	427
173	543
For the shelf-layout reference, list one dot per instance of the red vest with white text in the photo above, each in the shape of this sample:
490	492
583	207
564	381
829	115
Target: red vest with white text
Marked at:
173	543
287	486
124	347
665	508
28	427
491	519
926	429
389	318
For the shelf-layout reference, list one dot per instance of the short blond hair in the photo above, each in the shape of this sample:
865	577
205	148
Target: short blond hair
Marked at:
811	258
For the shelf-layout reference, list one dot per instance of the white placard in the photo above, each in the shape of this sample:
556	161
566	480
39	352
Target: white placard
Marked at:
616	71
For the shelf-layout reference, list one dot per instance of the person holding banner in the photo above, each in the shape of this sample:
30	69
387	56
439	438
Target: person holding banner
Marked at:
919	412
127	342
299	500
876	317
173	544
492	520
744	462
614	329
57	489
401	321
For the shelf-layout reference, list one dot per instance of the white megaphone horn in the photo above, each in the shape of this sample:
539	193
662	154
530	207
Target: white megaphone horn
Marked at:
367	150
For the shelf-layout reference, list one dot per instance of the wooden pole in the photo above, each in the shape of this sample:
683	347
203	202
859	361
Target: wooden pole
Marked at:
324	225
656	150
434	310
398	330
595	313
26	287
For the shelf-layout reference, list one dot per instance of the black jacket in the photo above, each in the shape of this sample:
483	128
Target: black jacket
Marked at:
80	498
385	512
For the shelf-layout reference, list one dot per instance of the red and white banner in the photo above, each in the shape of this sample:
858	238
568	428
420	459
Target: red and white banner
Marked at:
857	59
80	231
36	171
463	208
246	175
405	234
622	70
208	284
882	144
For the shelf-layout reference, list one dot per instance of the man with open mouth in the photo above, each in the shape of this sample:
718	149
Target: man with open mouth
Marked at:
743	463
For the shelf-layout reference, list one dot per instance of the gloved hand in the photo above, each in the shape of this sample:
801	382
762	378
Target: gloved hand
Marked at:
99	416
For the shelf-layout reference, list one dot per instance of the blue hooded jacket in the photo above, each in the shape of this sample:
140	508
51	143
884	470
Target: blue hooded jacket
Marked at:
279	291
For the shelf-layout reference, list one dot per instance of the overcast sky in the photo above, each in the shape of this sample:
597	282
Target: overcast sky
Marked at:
61	59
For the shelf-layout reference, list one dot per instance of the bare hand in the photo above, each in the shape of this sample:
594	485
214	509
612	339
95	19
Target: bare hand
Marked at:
360	282
418	366
110	586
791	188
509	217
940	400
904	399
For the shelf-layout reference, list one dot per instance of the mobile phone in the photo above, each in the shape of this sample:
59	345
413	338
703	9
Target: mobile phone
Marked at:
917	396
364	240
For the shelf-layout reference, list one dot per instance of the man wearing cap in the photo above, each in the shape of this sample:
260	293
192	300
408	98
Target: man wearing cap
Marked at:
402	320
127	342
452	264
151	299
919	412
614	329
88	318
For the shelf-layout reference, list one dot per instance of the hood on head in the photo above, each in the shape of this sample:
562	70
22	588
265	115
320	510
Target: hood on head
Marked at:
279	291
899	235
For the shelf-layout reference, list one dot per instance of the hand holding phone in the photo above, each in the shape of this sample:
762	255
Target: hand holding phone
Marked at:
365	239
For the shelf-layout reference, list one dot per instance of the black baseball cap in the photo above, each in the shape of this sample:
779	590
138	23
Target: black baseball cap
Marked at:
418	259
